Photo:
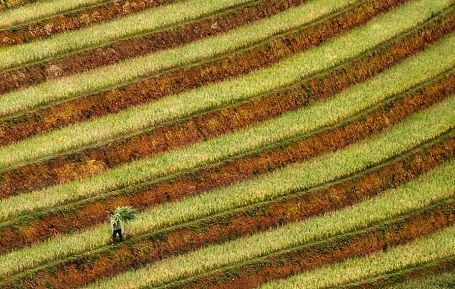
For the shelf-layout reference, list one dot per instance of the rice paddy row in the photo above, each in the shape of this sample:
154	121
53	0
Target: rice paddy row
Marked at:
231	170
41	10
415	253
147	21
141	45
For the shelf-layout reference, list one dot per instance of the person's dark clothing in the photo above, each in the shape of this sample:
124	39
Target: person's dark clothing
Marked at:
119	232
117	229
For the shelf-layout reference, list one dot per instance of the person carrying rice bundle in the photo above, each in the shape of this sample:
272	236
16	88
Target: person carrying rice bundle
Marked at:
117	217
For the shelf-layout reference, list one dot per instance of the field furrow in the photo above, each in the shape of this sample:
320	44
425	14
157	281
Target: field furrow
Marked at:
436	59
24	232
421	126
42	10
149	21
442	278
136	46
41	226
113	101
10	4
415	276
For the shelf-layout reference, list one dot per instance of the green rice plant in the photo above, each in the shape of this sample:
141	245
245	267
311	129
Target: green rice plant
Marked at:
41	10
303	121
437	58
125	214
428	249
364	214
441	281
418	128
103	78
343	48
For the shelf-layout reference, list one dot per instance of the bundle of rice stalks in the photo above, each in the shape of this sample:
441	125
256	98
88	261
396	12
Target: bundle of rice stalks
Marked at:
124	214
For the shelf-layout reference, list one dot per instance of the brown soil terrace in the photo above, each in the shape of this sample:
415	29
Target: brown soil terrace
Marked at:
177	81
40	226
135	253
141	45
310	257
95	160
74	20
389	280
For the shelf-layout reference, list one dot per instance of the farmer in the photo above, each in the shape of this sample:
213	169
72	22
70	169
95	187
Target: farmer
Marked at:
117	227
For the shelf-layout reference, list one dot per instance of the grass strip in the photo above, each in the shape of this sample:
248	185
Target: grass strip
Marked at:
107	77
428	249
143	22
41	10
362	215
303	121
437	57
408	134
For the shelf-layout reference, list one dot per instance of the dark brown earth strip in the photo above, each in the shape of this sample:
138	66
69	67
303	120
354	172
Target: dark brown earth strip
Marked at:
98	159
134	253
339	249
393	279
141	45
40	226
74	20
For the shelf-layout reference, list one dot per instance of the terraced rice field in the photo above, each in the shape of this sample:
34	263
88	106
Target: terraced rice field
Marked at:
265	143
